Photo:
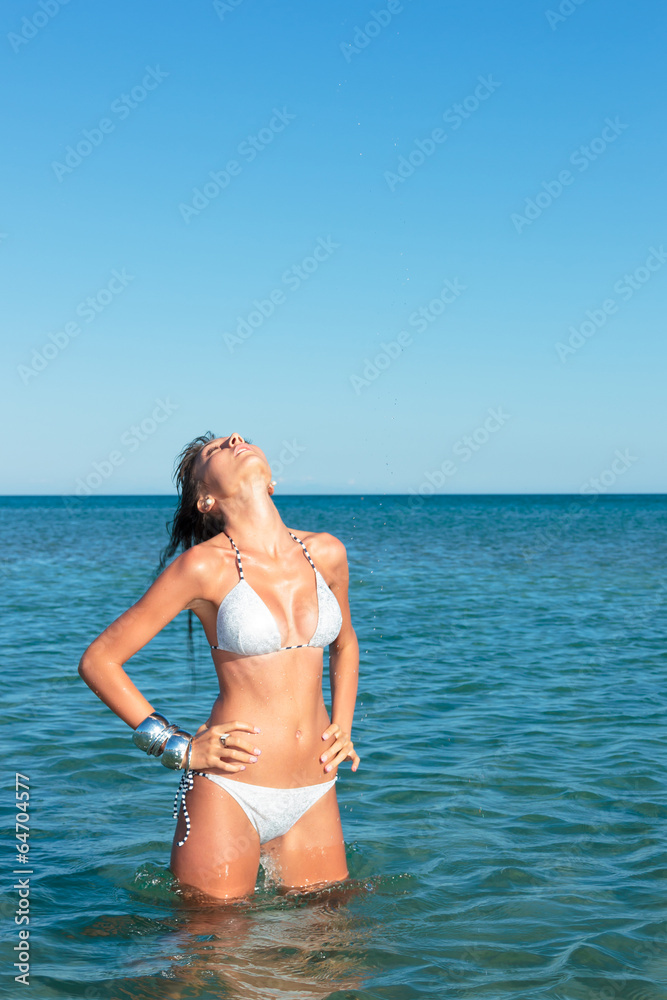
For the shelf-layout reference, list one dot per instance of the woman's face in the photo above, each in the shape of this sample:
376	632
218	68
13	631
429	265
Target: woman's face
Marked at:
226	462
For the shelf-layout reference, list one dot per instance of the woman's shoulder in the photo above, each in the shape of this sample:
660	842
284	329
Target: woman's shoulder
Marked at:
324	547
203	556
208	567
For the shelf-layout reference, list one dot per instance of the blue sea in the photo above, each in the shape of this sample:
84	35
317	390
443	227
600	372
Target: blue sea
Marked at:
505	832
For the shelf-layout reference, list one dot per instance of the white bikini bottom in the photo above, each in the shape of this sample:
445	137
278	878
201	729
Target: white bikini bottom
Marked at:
272	811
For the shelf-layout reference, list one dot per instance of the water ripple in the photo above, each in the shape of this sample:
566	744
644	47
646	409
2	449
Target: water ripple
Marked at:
505	832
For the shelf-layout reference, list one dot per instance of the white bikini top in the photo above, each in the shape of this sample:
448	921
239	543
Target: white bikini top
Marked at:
245	625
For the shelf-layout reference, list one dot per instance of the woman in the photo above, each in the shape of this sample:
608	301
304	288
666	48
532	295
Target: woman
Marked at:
261	771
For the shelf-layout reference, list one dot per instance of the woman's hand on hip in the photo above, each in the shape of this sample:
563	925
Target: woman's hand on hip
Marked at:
341	749
208	749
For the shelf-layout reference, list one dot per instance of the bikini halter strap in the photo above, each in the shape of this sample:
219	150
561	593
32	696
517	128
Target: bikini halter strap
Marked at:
238	554
304	549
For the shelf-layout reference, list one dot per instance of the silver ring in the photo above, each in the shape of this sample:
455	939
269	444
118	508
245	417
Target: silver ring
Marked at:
223	739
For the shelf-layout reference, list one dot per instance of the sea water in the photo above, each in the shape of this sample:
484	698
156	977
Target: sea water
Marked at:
505	830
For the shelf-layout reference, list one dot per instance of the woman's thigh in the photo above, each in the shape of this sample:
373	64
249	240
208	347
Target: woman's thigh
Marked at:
221	854
312	852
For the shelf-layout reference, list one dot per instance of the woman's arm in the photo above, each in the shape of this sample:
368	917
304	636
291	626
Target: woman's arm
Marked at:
101	664
343	666
344	674
344	677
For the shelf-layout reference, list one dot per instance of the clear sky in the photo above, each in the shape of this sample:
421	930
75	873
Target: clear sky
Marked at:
400	246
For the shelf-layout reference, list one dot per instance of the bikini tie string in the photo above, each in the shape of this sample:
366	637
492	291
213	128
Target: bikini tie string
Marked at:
185	785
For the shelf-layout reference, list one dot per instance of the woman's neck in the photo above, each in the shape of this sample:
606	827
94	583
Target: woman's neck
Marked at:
252	520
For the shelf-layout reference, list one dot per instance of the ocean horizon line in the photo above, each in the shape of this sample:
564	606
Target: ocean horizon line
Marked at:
428	496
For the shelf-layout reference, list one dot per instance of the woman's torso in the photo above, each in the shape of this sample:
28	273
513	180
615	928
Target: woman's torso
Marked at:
279	692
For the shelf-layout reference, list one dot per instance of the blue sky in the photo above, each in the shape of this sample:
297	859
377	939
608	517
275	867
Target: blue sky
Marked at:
403	247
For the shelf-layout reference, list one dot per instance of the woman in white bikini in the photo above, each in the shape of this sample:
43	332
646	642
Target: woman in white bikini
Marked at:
261	771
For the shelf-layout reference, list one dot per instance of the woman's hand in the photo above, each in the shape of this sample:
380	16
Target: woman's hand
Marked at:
342	749
208	751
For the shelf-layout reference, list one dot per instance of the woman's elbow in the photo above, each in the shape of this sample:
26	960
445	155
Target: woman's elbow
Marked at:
345	641
84	668
88	667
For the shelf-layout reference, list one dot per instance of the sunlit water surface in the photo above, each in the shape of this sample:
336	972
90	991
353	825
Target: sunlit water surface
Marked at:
506	829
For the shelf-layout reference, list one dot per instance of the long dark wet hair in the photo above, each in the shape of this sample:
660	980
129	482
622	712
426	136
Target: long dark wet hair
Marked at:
189	525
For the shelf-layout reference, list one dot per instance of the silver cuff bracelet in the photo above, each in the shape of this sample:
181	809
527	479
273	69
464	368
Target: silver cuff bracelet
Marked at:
175	749
149	730
157	746
163	739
